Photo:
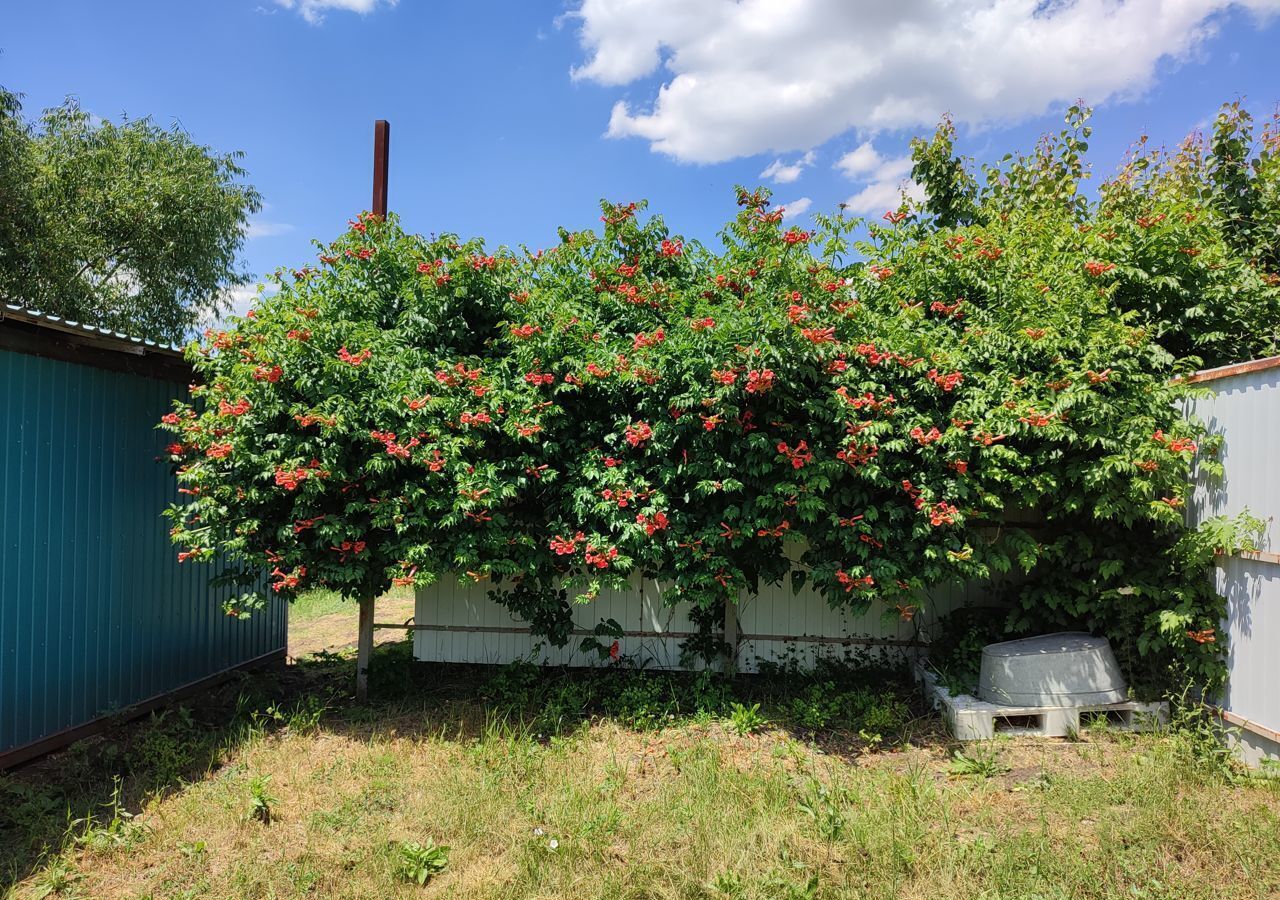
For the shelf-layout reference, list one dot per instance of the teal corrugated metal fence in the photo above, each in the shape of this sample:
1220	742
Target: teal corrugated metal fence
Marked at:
96	614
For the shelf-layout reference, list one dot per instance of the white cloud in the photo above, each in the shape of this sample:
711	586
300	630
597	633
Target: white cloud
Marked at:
260	229
795	208
885	180
785	173
314	10
860	161
242	298
881	196
742	77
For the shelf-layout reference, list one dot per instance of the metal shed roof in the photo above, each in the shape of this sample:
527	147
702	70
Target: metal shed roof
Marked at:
37	333
127	343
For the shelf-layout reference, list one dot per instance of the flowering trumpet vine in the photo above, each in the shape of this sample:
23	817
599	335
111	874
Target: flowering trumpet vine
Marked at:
799	455
759	381
946	382
638	433
239	408
630	402
354	359
600	557
652	524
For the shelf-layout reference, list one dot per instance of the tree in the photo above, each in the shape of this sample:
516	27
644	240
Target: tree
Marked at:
1192	235
982	385
17	178
950	191
130	226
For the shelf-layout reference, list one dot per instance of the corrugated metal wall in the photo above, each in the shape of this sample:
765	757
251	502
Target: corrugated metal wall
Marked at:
777	625
96	614
1245	409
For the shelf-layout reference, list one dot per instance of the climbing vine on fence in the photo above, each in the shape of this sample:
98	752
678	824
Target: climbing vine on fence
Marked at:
874	412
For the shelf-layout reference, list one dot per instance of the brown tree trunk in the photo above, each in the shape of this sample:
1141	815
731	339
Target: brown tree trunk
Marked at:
364	649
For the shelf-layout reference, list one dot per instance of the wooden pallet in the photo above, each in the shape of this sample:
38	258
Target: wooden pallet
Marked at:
971	719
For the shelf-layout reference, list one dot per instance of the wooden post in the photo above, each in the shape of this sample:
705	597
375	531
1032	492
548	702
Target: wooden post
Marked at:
364	650
364	646
381	153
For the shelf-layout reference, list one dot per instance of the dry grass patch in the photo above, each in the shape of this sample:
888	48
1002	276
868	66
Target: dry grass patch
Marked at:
689	809
323	622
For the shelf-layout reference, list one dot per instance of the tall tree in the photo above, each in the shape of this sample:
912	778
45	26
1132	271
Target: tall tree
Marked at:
16	204
130	225
1192	235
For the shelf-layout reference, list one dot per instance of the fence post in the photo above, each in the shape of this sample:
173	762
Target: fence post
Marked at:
364	649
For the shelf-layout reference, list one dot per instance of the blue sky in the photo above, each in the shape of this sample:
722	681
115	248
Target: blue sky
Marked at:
509	119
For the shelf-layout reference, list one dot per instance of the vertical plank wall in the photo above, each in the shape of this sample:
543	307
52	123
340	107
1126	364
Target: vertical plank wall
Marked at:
1245	409
458	623
96	614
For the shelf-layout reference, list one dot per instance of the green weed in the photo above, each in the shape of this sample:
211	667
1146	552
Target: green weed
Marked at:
977	761
746	719
261	801
419	863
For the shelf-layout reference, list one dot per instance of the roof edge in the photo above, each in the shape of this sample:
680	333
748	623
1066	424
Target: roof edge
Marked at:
102	337
35	333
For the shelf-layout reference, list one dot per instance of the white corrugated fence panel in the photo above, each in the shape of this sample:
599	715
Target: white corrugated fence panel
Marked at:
464	625
458	623
779	625
1245	410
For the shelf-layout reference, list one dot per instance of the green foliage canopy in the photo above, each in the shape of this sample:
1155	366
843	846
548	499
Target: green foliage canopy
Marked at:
129	226
934	403
1192	235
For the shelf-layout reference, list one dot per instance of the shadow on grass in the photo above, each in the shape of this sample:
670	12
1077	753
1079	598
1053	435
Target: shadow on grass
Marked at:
49	804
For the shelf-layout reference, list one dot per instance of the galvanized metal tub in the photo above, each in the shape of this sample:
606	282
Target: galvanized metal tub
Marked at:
1066	669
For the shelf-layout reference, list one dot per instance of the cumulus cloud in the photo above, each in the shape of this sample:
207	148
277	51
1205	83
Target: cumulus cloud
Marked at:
314	10
880	196
242	298
741	77
795	207
884	180
860	162
785	173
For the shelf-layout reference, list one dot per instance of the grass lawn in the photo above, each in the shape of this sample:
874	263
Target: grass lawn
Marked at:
622	785
324	621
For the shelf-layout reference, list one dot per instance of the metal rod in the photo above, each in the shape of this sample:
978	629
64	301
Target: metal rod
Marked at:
381	153
819	639
515	629
1249	725
1244	368
1255	555
731	636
